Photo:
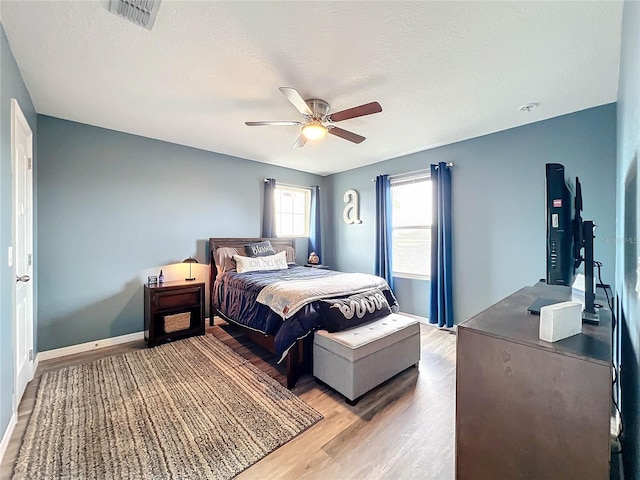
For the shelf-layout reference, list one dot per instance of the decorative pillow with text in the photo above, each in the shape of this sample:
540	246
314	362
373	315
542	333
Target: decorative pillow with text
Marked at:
257	264
259	249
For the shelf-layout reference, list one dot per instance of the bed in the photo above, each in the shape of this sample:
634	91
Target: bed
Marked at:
280	306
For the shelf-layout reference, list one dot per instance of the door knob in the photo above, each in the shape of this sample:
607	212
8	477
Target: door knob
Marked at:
23	278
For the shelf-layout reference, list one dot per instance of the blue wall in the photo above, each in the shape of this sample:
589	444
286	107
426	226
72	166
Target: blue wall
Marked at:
628	255
114	208
11	86
498	206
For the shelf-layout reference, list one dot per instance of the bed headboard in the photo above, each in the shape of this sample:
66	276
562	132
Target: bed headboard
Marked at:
279	244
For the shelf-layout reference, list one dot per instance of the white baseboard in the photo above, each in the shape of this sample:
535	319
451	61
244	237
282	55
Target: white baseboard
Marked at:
85	347
417	317
34	368
425	320
7	435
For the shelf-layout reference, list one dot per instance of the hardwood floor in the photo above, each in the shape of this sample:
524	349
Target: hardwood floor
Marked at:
403	429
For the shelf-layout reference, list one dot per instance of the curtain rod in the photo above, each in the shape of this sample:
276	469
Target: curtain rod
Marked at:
266	180
450	164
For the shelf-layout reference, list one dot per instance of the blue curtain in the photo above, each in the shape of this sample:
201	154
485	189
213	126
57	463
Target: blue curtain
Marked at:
269	209
314	228
441	308
383	229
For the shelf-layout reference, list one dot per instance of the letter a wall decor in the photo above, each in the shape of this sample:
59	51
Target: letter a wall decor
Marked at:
351	213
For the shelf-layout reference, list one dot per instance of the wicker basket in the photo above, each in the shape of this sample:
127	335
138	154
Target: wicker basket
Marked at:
177	322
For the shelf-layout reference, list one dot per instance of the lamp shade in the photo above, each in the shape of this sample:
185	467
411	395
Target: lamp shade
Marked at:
314	130
190	260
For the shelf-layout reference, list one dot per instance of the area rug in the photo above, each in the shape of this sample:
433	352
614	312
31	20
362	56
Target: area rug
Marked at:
193	409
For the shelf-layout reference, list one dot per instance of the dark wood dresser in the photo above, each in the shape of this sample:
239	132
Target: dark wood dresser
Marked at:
526	408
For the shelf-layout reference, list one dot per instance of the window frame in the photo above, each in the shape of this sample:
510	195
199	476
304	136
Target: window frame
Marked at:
397	180
278	213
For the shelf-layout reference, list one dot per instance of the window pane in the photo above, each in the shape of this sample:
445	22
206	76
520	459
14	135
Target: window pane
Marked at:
298	225
299	204
286	203
411	217
292	211
412	251
411	204
286	225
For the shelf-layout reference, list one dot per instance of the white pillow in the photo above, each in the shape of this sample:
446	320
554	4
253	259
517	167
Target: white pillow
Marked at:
256	264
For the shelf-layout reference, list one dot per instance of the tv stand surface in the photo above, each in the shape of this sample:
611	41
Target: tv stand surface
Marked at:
592	318
526	408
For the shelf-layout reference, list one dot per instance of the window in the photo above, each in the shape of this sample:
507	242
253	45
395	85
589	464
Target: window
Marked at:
411	224
292	211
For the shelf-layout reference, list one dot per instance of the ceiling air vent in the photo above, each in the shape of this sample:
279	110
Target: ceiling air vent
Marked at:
140	12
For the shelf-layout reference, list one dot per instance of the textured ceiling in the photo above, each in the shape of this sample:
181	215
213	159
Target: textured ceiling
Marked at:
442	71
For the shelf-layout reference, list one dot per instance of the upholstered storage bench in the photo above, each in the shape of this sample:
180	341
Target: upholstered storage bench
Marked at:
356	360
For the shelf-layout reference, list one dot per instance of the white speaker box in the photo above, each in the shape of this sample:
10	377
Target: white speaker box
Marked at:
560	320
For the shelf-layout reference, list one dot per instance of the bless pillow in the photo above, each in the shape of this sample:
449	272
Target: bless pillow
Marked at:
257	264
342	313
259	249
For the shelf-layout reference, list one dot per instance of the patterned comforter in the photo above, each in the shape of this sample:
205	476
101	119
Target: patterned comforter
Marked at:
280	302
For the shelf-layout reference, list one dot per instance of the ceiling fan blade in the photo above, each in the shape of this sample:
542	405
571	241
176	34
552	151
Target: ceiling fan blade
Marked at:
346	134
366	109
300	142
296	99
276	122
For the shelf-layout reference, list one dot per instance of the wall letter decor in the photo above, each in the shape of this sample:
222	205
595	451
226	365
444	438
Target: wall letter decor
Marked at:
351	212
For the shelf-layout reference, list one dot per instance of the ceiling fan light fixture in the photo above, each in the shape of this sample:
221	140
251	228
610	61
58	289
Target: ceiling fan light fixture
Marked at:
314	130
316	111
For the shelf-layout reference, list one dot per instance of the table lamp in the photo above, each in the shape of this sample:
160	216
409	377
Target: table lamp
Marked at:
190	260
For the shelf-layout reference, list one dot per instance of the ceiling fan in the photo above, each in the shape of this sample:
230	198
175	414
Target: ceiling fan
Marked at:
317	119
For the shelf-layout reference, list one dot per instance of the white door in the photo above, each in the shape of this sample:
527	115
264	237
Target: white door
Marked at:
21	169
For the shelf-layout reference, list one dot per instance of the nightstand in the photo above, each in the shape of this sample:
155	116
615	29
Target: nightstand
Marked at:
173	310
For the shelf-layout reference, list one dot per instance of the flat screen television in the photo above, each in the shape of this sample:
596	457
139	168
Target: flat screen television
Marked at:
560	227
569	237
